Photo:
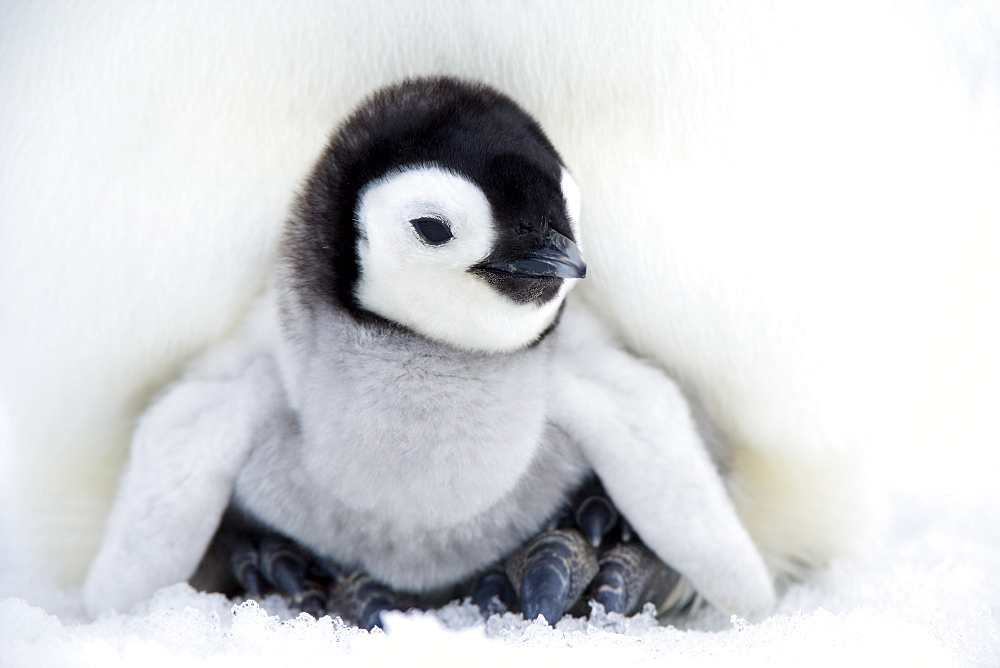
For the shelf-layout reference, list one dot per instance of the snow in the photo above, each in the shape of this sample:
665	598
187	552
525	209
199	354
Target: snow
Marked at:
921	593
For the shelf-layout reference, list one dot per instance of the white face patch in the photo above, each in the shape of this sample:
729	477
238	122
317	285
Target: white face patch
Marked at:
427	287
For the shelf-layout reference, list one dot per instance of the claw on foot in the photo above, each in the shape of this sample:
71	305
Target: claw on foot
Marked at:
360	599
246	568
551	572
610	589
626	531
596	516
631	576
494	594
286	570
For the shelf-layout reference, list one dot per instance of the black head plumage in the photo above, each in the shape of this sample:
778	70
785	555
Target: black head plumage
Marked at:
467	128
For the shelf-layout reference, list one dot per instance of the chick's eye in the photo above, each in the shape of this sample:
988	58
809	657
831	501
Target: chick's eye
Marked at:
432	231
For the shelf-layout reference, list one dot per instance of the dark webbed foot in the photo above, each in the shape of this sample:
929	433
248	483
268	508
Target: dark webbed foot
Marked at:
589	548
245	562
631	576
551	572
596	516
275	564
588	552
494	594
312	586
359	599
284	565
247	559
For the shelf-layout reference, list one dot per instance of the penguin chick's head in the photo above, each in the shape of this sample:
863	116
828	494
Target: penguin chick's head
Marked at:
442	207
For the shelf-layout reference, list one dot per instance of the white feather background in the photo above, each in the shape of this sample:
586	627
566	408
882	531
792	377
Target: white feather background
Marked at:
794	207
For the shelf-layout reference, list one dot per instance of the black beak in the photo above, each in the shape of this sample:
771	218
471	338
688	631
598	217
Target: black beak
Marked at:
558	258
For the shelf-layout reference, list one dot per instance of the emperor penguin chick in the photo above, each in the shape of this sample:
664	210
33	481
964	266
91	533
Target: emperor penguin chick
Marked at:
414	399
423	270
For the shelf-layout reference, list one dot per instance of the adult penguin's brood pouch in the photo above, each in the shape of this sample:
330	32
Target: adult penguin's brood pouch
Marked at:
416	407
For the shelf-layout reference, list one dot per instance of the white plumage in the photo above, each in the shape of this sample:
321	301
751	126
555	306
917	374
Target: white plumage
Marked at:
382	424
778	196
